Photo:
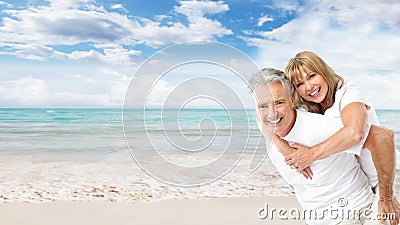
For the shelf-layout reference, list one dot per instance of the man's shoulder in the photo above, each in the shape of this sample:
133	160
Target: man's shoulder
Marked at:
305	115
316	117
311	128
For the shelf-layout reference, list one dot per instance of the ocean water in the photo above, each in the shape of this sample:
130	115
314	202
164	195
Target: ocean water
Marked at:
59	134
41	135
391	120
83	154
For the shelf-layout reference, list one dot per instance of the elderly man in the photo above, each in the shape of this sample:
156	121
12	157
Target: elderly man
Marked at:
339	192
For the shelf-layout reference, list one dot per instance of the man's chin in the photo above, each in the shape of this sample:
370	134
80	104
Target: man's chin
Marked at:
271	129
278	132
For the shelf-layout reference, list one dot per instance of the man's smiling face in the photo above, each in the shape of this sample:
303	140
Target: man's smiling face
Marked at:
275	108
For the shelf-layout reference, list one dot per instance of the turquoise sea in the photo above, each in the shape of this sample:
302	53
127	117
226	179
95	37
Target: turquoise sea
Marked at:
95	134
82	154
60	134
92	134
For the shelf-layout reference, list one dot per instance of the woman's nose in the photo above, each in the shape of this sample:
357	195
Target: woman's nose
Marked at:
309	86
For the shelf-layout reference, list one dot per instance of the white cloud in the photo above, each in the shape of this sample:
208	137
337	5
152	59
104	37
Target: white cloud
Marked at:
66	5
287	5
105	88
158	94
24	91
28	51
381	89
264	19
47	25
201	8
83	79
199	27
113	55
119	85
8	5
197	85
161	17
354	38
36	33
198	92
32	92
82	21
119	6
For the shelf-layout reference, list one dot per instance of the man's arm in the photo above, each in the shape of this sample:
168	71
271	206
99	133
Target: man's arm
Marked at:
380	142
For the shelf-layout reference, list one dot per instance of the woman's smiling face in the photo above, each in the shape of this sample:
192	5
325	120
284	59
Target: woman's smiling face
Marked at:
311	86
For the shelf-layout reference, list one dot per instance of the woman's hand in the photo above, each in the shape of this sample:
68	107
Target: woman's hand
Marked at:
301	158
307	173
281	145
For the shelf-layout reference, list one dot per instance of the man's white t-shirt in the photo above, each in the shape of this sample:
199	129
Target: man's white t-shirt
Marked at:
347	94
338	182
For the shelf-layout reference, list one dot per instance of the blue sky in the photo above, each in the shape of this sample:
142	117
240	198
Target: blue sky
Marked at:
84	53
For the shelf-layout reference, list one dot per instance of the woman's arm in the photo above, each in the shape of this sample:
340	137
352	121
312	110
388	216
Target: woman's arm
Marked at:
282	145
285	149
354	118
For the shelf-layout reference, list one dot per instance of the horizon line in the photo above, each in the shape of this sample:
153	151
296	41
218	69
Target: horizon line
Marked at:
151	108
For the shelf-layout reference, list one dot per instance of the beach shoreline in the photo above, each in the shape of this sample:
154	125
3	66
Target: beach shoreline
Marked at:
117	181
243	210
74	167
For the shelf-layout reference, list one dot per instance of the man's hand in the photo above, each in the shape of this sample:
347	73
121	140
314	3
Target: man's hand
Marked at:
386	208
301	157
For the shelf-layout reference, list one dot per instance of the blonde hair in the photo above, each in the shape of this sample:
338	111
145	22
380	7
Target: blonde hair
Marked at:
316	65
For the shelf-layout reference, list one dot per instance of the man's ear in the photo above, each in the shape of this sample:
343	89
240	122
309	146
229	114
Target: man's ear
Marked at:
292	99
292	96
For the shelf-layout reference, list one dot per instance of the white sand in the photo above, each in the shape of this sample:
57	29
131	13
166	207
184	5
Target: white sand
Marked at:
218	211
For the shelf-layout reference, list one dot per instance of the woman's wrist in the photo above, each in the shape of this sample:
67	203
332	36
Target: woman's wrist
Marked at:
316	153
285	150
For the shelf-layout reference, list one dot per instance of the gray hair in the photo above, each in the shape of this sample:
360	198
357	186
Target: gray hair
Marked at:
270	75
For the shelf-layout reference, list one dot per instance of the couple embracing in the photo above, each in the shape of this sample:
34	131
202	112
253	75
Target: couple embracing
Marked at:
327	142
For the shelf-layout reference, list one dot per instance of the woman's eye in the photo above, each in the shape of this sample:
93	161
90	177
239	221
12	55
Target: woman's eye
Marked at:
298	85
